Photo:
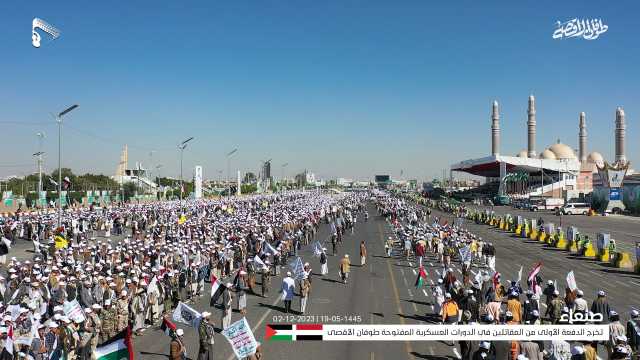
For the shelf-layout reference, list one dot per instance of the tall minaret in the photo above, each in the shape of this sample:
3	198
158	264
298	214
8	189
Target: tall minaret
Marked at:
531	128
495	129
582	137
621	129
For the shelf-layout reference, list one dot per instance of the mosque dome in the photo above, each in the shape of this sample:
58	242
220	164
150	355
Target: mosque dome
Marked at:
562	151
596	158
548	154
522	154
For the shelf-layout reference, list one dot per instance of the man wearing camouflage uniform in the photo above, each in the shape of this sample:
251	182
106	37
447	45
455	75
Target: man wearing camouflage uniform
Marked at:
109	320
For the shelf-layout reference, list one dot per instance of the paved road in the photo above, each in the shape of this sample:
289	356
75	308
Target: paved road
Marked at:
624	229
381	292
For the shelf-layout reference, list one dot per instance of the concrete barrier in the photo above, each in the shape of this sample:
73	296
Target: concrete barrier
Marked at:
573	246
590	251
533	235
603	255
561	242
623	260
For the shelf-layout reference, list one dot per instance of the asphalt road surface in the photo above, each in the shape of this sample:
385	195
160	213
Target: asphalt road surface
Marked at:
382	292
624	229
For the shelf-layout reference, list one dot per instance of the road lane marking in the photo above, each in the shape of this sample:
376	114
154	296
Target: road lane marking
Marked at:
596	273
395	293
425	292
455	351
259	323
621	283
414	272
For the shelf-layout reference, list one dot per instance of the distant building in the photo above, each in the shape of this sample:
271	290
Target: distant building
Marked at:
136	175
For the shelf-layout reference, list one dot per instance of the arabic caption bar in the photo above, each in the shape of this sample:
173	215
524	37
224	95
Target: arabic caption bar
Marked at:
321	332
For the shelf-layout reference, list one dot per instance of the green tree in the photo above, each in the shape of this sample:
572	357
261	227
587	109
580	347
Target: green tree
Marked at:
249	178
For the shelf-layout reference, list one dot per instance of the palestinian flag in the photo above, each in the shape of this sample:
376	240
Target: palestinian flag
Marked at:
217	288
118	347
168	327
422	277
291	332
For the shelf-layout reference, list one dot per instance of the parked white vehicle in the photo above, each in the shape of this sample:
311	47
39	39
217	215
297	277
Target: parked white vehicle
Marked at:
575	209
546	204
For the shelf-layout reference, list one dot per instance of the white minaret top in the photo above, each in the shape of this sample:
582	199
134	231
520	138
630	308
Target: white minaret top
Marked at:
495	129
621	129
531	128
582	138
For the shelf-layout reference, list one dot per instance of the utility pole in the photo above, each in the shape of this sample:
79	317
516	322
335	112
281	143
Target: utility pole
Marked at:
229	168
59	121
182	146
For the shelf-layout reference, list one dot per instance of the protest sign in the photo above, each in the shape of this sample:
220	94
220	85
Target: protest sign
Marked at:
241	338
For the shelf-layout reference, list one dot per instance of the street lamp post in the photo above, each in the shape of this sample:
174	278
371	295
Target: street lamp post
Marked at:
282	174
229	168
59	121
182	146
39	154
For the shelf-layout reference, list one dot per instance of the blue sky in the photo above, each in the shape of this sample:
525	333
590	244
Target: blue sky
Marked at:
340	87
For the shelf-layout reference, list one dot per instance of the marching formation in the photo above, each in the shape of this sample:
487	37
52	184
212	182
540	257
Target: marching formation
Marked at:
105	275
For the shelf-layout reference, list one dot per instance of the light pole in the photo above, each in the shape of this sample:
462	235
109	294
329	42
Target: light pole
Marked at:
282	174
182	146
59	121
40	136
150	176
158	182
229	168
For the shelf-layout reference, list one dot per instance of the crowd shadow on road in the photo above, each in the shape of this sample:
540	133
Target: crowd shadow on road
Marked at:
417	302
378	314
629	273
431	357
272	307
430	318
331	280
154	354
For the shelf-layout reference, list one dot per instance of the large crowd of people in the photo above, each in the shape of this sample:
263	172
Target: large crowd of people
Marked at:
129	266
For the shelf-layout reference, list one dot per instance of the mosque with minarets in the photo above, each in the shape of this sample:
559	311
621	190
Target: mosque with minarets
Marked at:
556	171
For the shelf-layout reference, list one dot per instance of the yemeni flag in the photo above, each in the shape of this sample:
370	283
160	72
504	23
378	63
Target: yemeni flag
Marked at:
217	288
168	327
118	347
422	277
532	275
291	332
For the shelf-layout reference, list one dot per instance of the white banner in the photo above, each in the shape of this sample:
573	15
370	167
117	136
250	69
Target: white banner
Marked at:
186	315
389	332
73	310
571	281
297	267
241	338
